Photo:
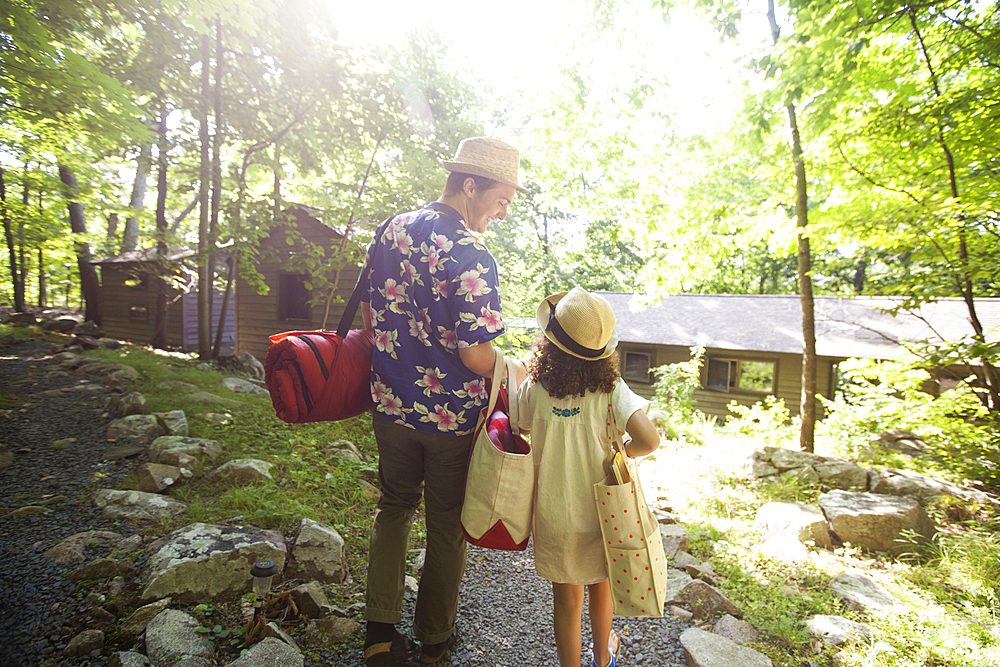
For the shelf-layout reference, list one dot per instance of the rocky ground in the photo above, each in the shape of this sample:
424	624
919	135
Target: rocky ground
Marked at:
52	441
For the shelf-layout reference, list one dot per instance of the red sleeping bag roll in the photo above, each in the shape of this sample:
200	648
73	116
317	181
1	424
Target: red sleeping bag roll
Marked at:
318	376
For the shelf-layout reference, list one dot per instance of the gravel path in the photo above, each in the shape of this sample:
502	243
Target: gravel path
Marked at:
505	618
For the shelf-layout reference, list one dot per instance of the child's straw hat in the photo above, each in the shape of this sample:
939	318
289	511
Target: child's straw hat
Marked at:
579	323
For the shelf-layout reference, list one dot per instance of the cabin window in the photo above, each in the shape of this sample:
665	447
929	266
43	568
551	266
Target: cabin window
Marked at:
740	375
293	297
636	367
138	314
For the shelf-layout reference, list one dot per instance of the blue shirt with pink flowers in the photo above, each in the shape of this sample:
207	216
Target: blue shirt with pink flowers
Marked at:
433	289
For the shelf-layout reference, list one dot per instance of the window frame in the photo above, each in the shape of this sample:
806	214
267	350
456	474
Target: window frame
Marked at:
636	376
734	373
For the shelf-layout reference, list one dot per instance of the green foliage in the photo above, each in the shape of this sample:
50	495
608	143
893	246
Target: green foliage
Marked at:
767	420
963	444
675	386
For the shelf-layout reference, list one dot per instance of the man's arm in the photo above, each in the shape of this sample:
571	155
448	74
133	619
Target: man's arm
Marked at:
479	359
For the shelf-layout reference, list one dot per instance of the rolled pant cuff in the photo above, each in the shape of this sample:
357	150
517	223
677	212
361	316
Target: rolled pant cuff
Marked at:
384	616
425	638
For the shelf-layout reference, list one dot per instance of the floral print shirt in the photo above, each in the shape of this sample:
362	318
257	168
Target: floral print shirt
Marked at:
433	289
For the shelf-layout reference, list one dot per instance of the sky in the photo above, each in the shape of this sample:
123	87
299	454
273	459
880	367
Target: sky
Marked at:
518	46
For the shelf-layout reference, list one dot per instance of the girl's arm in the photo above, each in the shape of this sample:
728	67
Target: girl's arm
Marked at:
645	437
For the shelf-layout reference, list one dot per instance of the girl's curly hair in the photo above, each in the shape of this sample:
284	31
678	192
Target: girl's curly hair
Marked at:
564	375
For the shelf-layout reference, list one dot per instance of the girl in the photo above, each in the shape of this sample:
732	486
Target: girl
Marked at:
573	395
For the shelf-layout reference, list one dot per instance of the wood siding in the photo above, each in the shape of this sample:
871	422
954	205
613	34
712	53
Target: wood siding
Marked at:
787	380
257	315
118	299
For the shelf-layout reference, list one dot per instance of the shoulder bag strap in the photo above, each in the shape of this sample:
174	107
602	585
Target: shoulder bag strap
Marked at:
495	384
351	309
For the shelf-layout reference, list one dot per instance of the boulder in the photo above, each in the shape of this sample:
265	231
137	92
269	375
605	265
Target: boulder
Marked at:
328	632
310	599
736	630
243	471
859	592
874	521
789	459
707	602
675	538
268	652
319	550
136	623
805	523
677	583
247	363
135	427
243	387
102	568
173	422
128	659
129	403
177	385
155	477
706	649
803	476
173	635
924	487
908	444
838	474
84	643
136	505
210	562
71	549
172	449
836	630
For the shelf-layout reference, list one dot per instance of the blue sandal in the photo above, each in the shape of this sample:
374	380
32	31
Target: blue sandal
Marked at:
614	653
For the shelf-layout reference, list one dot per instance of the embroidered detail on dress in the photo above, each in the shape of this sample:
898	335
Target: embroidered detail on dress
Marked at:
567	412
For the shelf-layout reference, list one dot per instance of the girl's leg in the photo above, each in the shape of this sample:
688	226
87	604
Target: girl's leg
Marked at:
567	615
601	608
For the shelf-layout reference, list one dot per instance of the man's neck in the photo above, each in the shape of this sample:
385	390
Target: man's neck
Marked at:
457	202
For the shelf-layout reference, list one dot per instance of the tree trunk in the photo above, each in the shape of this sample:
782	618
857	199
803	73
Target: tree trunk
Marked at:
160	330
204	176
807	405
90	286
11	247
42	296
130	235
217	140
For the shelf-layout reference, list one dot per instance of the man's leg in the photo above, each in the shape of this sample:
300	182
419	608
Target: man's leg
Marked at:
400	473
445	460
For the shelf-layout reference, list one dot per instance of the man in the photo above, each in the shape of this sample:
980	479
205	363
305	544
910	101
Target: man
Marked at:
434	308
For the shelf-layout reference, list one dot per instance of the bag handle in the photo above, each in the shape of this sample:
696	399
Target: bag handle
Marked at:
351	309
512	400
498	365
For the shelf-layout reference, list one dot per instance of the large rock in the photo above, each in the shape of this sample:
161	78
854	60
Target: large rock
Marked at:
790	459
838	474
319	550
243	471
203	561
71	549
269	652
140	618
874	521
736	630
154	477
136	505
707	602
706	649
172	636
924	487
310	599
247	363
84	643
179	450
206	397
173	422
241	386
135	427
129	403
859	592
328	632
675	539
804	522
677	583
836	630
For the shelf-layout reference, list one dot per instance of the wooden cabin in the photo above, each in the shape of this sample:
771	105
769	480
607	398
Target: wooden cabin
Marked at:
128	300
753	343
289	304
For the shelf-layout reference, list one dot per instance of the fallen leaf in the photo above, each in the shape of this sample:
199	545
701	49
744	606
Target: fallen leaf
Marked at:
47	478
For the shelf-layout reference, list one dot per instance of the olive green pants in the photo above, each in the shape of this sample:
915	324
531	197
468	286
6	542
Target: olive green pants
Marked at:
413	464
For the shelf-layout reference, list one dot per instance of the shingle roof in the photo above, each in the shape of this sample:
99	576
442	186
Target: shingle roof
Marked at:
845	327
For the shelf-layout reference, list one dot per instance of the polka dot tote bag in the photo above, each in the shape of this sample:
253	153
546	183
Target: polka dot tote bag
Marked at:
633	547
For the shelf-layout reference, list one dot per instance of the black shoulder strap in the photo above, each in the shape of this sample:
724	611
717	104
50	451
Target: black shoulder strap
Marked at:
351	309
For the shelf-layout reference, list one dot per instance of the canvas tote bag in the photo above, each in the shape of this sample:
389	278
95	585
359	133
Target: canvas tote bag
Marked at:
633	547
500	479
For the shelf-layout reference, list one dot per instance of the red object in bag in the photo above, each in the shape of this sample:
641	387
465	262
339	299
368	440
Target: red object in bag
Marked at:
318	376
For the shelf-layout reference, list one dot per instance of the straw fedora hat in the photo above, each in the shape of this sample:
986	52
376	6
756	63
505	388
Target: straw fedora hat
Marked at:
489	158
579	323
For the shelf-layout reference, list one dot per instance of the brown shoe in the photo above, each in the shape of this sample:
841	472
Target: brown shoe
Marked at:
431	653
399	650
